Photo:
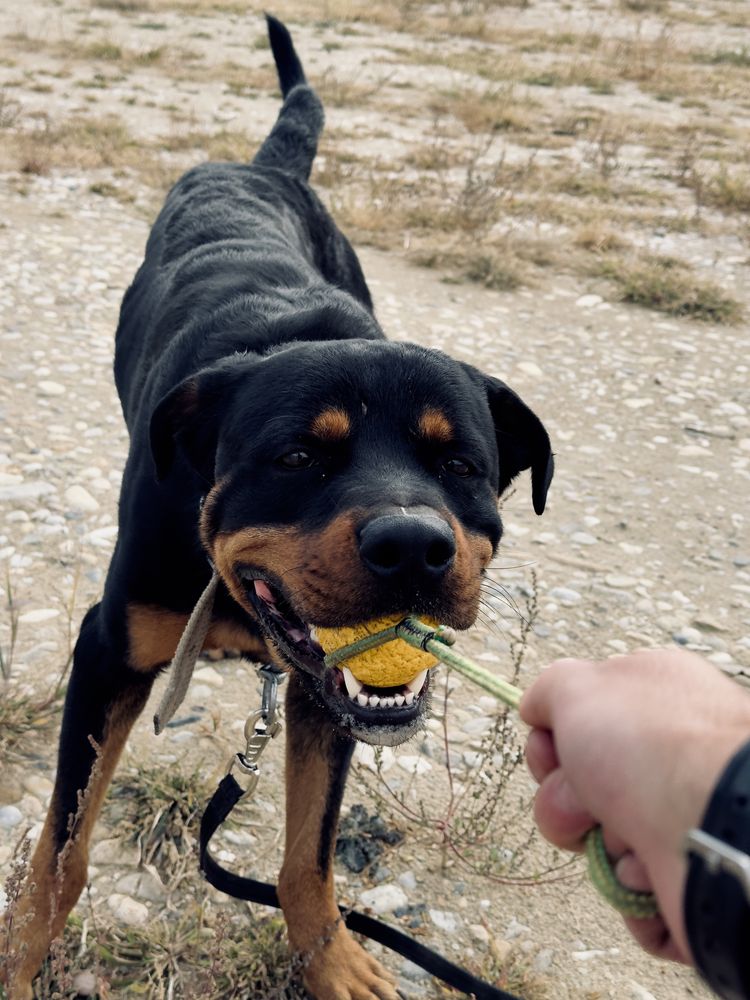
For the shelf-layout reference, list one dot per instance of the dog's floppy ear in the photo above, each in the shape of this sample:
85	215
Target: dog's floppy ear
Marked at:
522	441
188	418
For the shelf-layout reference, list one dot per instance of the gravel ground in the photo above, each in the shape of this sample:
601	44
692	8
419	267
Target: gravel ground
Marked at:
645	542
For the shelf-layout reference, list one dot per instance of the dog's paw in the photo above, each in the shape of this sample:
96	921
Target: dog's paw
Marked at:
342	970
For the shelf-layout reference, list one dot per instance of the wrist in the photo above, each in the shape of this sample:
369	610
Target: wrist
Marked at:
716	899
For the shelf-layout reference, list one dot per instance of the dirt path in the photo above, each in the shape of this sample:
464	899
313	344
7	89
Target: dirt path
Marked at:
645	540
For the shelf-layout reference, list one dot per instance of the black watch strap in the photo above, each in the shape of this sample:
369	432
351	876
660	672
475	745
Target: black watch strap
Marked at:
716	905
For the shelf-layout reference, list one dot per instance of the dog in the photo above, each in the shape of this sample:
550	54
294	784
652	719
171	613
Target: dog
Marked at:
330	476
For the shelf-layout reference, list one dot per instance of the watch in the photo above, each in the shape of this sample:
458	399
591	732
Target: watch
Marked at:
716	904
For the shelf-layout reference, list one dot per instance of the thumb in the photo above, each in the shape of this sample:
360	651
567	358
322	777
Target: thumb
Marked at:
559	813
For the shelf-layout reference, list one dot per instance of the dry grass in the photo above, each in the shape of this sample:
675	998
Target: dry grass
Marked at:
80	142
669	285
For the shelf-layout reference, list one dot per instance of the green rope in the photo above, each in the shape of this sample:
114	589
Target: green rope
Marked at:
438	642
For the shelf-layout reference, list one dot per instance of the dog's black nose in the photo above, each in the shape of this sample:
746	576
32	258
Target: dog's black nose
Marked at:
413	544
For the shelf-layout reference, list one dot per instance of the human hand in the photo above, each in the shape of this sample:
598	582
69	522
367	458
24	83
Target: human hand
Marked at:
636	744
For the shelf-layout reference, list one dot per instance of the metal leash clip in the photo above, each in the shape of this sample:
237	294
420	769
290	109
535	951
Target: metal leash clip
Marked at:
260	728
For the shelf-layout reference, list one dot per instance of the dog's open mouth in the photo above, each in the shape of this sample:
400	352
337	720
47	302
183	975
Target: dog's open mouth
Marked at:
381	715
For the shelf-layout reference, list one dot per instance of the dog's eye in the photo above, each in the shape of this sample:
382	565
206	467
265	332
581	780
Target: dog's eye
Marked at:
298	459
457	467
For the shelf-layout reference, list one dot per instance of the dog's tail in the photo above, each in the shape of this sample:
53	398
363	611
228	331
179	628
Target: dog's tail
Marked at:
293	141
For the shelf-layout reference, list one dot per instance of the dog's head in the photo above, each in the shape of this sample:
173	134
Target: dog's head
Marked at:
348	481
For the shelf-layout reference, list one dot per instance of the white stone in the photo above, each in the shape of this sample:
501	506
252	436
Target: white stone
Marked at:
207	675
530	368
240	838
582	538
40	615
407	880
80	499
25	491
619	581
589	301
516	929
113	851
480	933
128	911
637	402
384	898
543	961
413	764
49	388
565	595
10	816
445	920
638	992
37	784
476	726
84	983
367	756
142	884
17	517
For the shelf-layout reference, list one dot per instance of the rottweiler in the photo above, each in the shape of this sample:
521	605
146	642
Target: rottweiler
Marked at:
329	475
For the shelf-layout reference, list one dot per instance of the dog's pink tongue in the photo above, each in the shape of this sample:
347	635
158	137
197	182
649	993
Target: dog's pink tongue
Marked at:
264	592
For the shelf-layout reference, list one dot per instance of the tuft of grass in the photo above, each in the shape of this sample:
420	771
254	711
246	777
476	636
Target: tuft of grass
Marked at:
509	969
102	50
338	92
197	950
597	237
645	6
728	191
669	285
22	716
158	809
726	57
488	111
488	268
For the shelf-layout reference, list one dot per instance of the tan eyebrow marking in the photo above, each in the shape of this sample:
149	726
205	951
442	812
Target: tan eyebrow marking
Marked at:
434	425
332	424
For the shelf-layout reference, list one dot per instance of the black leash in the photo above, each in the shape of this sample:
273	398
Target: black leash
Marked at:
224	799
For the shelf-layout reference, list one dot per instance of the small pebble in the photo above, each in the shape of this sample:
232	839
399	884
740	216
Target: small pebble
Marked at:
10	816
384	898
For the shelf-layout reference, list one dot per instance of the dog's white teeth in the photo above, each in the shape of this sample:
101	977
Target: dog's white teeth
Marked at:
390	701
353	686
417	684
362	699
409	697
374	701
399	699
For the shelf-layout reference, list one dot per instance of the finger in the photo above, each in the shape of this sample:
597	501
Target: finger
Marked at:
559	813
631	872
614	845
654	937
541	755
537	704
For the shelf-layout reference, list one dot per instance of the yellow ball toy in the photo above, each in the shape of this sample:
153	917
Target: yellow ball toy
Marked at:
390	665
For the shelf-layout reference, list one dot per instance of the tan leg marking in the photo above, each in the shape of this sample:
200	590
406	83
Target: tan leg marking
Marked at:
335	966
55	881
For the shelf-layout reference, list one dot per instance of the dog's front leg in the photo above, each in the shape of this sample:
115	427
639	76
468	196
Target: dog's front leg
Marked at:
334	966
103	701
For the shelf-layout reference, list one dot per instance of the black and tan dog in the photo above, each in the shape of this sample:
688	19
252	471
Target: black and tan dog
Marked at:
329	475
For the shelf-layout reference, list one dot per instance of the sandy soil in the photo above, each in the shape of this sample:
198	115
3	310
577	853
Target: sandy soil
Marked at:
645	541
